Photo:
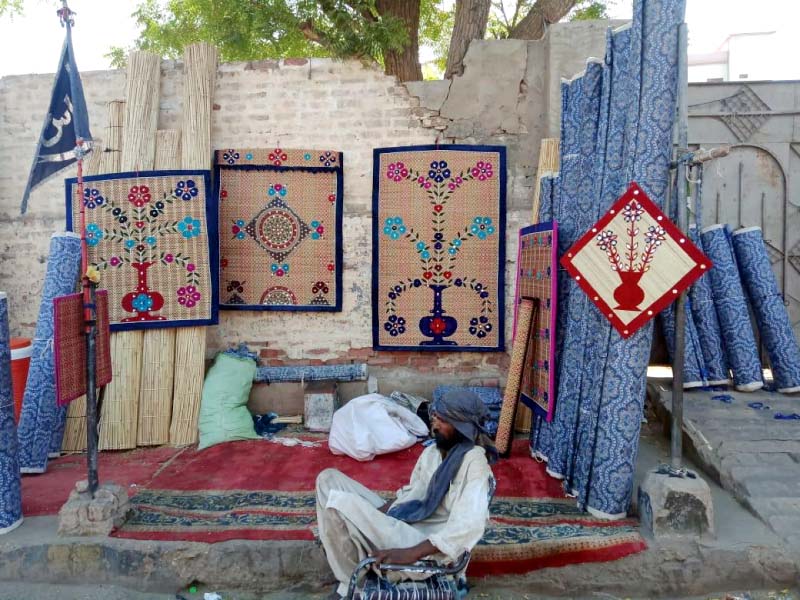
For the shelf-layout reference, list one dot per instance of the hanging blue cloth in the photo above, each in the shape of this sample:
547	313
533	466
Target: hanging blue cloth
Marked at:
10	489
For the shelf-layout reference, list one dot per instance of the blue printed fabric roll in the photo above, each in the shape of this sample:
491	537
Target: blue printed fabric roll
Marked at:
693	365
707	324
769	308
545	199
732	311
10	491
39	420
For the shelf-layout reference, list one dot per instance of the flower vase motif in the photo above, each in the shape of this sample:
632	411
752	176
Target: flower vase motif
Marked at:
140	227
633	263
438	254
141	301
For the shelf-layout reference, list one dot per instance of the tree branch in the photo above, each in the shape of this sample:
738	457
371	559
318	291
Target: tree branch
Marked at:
541	14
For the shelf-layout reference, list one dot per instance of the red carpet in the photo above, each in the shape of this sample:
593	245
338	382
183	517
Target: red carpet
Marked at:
261	491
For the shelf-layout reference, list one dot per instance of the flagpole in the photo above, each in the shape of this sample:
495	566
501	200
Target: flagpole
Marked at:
89	307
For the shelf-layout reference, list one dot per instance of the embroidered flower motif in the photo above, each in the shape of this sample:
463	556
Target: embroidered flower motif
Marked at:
129	244
186	190
320	288
277	157
480	326
249	156
397	171
230	156
331	267
157	210
482	170
93	234
482	227
327	159
395	325
439	171
191	268
92	198
151	241
188	296
606	240
306	156
633	211
280	270
223	263
142	303
139	195
394	227
236	286
168	258
455	184
119	216
277	188
238	229
655	235
189	228
318	230
223	194
331	198
115	261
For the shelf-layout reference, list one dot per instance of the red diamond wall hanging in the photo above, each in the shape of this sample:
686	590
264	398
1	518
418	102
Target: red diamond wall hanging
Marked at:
634	262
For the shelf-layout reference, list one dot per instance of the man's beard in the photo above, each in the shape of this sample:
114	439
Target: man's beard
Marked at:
443	443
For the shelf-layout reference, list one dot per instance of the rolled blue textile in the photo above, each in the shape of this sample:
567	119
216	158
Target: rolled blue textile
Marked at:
39	421
10	487
694	375
734	317
357	372
491	396
769	309
707	324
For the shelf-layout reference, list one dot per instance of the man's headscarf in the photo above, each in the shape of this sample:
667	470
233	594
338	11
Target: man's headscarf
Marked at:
465	411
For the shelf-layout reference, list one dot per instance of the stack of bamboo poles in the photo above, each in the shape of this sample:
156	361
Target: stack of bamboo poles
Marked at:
119	418
200	71
548	164
158	347
104	159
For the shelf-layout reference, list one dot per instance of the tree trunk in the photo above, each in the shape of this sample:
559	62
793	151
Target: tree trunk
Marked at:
542	14
470	24
404	64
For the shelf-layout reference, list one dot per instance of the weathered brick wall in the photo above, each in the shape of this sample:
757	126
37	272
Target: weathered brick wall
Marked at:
507	96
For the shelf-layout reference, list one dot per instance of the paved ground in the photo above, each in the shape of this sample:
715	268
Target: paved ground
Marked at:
750	453
26	591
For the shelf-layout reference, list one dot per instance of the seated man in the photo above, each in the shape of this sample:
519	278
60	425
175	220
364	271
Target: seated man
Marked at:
441	513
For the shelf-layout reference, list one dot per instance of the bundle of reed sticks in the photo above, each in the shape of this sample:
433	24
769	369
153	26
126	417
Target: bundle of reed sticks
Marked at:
119	418
105	158
200	71
548	164
158	346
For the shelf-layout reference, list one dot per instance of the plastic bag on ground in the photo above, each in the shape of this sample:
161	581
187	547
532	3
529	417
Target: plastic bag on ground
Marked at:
371	425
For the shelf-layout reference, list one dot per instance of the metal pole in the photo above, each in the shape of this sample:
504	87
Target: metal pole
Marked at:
676	445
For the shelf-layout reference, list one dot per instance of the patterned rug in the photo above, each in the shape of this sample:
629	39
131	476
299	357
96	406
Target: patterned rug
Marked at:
281	229
438	248
153	237
536	266
69	345
269	496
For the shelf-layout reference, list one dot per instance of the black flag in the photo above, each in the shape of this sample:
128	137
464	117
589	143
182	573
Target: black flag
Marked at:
66	121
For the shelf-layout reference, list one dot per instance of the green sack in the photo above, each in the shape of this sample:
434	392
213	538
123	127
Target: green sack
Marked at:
223	413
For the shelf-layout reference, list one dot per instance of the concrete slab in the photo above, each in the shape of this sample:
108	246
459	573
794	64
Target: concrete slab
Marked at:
746	451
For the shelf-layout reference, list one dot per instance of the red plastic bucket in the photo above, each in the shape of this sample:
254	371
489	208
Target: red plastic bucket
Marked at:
21	350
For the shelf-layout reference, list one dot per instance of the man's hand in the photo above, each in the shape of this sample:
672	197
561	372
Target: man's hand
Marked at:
405	556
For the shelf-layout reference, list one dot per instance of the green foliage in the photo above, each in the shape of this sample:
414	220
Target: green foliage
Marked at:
10	7
589	10
258	29
505	15
435	29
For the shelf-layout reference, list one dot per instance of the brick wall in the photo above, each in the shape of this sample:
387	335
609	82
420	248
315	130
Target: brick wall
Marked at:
507	96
